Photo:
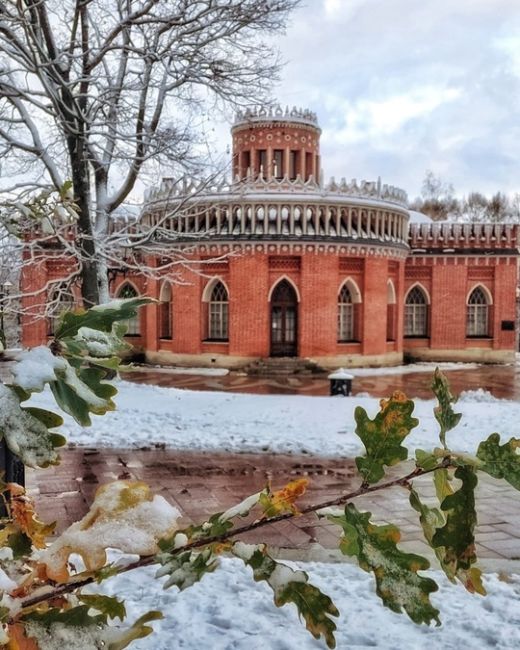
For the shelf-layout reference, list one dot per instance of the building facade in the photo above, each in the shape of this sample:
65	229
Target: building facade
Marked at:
279	264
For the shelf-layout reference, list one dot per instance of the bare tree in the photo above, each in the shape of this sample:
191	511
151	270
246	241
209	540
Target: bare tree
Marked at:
99	90
437	198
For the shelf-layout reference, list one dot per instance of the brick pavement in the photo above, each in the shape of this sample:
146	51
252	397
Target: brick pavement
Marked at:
203	483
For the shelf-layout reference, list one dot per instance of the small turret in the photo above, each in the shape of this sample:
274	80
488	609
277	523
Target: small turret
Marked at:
272	143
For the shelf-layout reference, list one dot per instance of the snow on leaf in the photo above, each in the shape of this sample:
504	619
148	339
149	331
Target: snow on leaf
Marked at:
457	535
283	500
101	344
243	508
382	436
125	515
290	586
501	461
444	413
214	527
185	569
398	582
36	368
26	430
431	520
100	317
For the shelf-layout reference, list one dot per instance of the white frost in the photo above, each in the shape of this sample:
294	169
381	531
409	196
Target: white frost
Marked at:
283	575
36	368
241	508
124	516
245	551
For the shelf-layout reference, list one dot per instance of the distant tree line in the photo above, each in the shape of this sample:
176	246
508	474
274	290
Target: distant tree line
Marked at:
439	202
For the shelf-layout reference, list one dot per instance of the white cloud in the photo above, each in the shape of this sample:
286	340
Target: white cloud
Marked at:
385	116
402	86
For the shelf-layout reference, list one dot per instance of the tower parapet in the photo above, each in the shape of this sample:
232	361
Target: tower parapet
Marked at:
263	113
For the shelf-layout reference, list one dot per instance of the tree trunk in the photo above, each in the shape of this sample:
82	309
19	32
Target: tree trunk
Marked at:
86	244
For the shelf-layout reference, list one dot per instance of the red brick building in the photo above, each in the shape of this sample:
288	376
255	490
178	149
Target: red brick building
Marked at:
284	265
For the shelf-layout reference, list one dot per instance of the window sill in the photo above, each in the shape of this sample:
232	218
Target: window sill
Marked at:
348	342
166	338
416	336
215	341
477	337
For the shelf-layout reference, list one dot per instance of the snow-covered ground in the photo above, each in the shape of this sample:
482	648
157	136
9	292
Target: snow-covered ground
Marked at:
227	610
184	419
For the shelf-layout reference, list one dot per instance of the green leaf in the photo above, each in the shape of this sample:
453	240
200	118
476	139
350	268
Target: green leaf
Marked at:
398	583
100	317
80	392
108	571
5	614
138	631
501	461
108	605
25	431
73	617
431	520
185	569
444	413
20	544
214	527
426	460
383	436
457	534
48	418
291	586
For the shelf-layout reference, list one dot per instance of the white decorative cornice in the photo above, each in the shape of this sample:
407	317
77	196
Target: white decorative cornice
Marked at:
255	114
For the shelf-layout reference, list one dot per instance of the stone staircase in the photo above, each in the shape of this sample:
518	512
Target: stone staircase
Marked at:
276	366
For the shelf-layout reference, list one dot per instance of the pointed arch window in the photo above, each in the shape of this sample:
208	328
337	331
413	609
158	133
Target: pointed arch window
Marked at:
346	320
477	314
165	312
61	300
416	313
218	313
134	323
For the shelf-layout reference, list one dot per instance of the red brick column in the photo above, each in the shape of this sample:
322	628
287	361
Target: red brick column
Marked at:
448	308
187	314
375	292
249	318
32	281
318	307
149	319
504	303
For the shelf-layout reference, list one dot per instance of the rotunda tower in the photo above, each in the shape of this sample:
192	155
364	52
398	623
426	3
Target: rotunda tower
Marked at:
276	144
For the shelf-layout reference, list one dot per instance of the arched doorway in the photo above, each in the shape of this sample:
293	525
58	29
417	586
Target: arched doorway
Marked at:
284	320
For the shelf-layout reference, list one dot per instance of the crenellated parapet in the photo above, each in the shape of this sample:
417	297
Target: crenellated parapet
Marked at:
171	189
450	237
256	114
260	209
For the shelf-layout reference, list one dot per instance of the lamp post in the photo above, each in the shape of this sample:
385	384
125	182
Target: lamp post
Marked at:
11	467
5	288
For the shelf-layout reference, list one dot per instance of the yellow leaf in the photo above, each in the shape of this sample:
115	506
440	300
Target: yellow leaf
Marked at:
283	500
24	516
18	640
125	515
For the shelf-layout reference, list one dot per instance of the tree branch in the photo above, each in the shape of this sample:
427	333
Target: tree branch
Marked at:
78	583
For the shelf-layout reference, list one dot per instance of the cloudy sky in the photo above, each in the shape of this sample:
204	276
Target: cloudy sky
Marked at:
402	86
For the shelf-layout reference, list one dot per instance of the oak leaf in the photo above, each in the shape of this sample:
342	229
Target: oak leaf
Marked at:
284	500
